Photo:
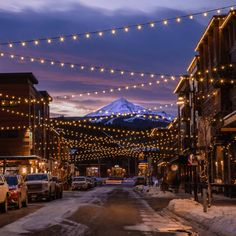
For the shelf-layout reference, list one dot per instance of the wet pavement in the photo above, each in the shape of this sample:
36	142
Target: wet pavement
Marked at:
104	211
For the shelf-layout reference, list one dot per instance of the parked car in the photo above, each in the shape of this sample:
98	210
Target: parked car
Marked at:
80	183
114	180
59	186
18	191
91	182
140	180
40	186
99	181
4	194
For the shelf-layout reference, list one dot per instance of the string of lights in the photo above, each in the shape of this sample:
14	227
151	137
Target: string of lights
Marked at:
19	100
113	31
100	128
116	89
83	67
216	69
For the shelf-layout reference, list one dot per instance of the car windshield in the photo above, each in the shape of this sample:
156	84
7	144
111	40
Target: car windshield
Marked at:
36	177
11	180
79	179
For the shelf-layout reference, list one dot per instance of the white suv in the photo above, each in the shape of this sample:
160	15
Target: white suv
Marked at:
80	183
4	192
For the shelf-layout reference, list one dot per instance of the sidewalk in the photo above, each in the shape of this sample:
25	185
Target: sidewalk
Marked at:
220	218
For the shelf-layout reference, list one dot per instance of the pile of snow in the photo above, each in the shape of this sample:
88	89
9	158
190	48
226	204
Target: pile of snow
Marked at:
150	191
218	219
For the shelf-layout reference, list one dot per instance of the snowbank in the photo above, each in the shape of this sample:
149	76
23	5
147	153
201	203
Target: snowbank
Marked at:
218	219
150	191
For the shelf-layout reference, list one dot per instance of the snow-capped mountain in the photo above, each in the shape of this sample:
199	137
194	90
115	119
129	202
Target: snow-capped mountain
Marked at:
136	115
119	106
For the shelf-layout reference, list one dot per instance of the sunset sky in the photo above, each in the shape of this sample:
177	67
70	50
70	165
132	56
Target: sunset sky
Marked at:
163	49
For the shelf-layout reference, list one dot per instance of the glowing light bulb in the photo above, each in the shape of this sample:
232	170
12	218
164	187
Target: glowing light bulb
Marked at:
23	44
165	22
36	42
139	27
191	17
178	19
152	25
87	36
49	41
100	33
126	29
113	31
10	45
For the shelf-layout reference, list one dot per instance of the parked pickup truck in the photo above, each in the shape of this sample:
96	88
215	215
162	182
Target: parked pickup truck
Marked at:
40	186
4	194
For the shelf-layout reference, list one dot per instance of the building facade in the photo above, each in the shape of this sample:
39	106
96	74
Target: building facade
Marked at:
27	140
207	113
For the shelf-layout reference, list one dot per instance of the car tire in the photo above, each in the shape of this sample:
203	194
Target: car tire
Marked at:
4	206
25	203
19	203
49	197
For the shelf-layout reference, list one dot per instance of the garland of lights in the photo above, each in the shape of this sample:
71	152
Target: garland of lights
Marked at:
117	89
113	31
19	100
82	67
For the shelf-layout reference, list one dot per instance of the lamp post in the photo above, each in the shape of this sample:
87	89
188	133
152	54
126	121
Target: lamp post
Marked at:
179	102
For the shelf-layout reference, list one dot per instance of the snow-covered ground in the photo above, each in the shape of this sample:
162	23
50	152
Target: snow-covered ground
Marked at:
218	219
56	212
150	191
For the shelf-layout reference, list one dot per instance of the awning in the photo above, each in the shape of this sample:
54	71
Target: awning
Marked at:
229	122
15	158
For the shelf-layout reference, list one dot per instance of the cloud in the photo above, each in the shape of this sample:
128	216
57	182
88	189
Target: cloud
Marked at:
145	6
160	50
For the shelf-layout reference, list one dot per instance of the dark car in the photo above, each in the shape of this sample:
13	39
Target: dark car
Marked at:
99	181
91	182
59	186
18	191
140	180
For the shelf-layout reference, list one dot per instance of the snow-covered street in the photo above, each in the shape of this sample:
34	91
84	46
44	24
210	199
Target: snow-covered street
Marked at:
107	210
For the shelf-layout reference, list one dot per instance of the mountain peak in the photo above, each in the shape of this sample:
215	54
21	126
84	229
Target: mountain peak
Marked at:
121	100
118	106
123	106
